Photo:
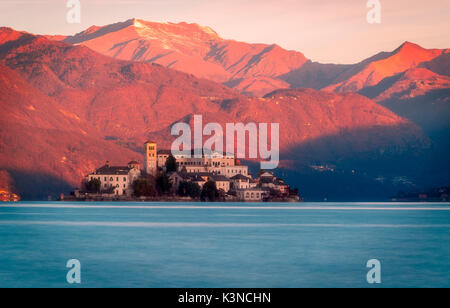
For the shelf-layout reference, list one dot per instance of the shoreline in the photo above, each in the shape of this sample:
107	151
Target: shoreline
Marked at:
173	200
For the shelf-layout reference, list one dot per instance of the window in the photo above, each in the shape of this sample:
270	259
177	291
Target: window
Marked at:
111	179
124	179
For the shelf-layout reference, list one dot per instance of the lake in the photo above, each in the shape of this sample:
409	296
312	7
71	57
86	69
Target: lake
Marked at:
224	245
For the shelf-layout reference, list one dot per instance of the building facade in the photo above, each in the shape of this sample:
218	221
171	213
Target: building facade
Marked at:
268	180
117	180
222	182
251	194
240	182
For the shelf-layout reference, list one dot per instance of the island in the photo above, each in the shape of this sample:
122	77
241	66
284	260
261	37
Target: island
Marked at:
175	178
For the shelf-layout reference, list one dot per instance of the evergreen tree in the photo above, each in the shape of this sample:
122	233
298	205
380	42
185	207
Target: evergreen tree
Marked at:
171	164
144	188
93	186
209	192
163	184
189	189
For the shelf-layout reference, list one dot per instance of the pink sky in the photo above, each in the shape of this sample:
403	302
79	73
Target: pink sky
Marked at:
325	31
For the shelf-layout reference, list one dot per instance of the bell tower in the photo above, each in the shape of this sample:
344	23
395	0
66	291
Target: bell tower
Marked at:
151	158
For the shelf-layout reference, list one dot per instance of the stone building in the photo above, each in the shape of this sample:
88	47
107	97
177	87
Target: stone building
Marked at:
118	179
252	194
222	182
239	182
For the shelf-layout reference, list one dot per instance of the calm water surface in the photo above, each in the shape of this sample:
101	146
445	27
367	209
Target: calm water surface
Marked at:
224	245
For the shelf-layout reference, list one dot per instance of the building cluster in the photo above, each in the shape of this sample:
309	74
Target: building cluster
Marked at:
6	196
115	179
231	178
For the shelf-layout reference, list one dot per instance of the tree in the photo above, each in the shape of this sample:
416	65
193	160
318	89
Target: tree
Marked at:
93	186
275	193
143	188
171	164
194	190
189	189
209	192
182	189
163	184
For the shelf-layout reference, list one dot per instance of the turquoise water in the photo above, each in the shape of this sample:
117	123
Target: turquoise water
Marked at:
224	245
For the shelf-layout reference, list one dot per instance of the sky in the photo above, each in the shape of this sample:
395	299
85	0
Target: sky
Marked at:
332	31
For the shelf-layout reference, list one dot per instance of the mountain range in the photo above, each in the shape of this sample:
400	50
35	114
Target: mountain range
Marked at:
190	48
253	69
71	103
